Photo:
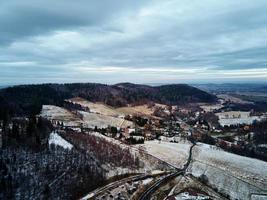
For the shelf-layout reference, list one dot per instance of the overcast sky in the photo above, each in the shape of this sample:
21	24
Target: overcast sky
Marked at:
142	41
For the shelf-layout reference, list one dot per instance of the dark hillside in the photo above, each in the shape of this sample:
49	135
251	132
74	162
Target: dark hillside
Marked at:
182	93
28	99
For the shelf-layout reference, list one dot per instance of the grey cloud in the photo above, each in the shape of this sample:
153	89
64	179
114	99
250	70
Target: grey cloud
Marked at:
61	37
35	17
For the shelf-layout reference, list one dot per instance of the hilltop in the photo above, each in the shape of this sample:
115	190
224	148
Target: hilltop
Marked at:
28	99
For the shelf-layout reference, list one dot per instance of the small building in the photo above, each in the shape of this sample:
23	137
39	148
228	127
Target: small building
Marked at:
127	132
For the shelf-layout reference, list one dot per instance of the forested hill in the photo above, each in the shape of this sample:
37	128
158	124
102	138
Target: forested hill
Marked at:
28	99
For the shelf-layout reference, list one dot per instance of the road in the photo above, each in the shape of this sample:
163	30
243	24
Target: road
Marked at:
115	184
148	193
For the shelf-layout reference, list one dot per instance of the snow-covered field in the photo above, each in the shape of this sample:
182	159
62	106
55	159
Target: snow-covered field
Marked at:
173	153
57	140
90	120
60	114
150	164
232	174
237	117
135	110
211	108
101	121
243	167
99	108
193	184
143	110
227	97
238	176
247	120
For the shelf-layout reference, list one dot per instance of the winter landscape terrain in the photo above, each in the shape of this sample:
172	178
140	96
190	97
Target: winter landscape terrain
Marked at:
141	150
133	100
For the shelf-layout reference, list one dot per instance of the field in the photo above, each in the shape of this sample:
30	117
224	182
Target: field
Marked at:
240	166
98	108
89	120
136	110
211	108
254	97
229	173
60	114
142	110
233	99
177	153
248	120
237	117
102	121
174	153
103	109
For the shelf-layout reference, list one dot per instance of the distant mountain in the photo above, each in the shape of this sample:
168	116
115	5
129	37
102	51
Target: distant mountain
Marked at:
28	99
233	87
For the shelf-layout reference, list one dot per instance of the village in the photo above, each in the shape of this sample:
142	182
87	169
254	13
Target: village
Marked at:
234	131
214	124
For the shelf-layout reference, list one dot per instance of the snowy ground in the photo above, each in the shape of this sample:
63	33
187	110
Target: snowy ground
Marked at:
174	153
186	182
90	120
101	121
227	97
99	108
243	167
211	108
232	174
60	114
136	110
143	110
247	120
57	140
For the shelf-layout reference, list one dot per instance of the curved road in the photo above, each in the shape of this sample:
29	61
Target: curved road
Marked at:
115	184
148	193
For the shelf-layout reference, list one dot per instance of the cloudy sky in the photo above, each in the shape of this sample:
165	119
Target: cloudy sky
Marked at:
142	41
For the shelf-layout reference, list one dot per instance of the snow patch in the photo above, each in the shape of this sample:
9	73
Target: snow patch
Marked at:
147	181
56	139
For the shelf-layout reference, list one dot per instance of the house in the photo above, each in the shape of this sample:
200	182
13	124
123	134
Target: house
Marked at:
127	132
246	128
149	135
197	135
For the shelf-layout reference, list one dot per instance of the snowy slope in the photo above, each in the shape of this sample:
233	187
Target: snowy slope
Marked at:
101	121
60	114
173	153
56	139
99	108
232	174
